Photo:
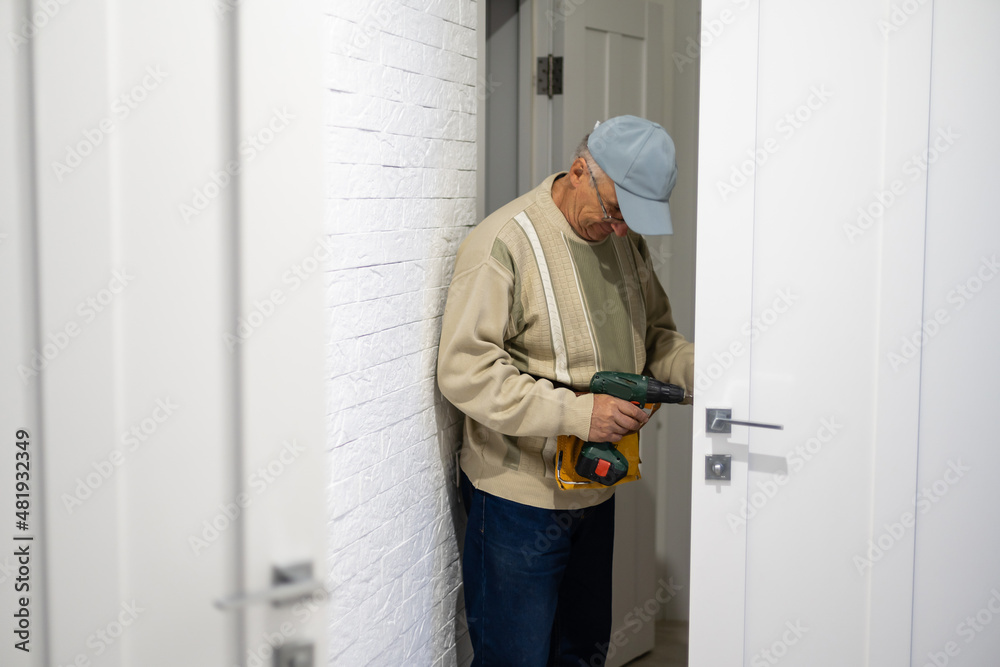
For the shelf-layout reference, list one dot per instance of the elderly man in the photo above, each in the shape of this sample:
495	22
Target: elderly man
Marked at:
551	288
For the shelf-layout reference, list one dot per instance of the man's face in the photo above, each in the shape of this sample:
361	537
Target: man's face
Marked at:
600	217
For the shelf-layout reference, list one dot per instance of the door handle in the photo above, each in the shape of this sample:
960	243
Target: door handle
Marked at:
291	583
719	420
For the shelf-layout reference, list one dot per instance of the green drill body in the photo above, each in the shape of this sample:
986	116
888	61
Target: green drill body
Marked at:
601	461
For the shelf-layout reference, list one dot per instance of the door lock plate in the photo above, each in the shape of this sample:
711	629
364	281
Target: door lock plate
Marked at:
298	654
718	466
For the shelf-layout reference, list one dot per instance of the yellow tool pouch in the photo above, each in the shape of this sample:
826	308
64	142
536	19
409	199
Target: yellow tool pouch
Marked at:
568	450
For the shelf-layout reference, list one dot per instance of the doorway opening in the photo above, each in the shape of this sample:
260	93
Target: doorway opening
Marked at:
619	57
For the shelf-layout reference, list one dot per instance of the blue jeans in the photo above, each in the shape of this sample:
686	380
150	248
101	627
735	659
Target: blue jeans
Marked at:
537	582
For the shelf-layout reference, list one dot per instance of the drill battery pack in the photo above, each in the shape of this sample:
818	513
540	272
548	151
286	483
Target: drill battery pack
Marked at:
601	462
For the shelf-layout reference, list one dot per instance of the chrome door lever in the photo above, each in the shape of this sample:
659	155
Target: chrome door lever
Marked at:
719	420
291	583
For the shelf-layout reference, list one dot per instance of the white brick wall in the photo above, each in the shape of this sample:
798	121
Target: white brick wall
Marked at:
401	160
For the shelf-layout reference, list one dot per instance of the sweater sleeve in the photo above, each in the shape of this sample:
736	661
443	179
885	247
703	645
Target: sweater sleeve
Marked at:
669	356
476	373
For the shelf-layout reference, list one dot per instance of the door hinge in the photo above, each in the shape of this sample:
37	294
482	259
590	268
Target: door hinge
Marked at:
549	75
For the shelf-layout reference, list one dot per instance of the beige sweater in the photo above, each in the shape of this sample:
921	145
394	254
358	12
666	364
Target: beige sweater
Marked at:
532	304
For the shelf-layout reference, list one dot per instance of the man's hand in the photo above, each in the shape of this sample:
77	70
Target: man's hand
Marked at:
614	418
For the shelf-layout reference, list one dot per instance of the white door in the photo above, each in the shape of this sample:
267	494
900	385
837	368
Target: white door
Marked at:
836	219
166	314
613	65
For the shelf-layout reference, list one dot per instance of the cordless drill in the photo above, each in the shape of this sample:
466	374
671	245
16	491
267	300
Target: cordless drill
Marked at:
601	461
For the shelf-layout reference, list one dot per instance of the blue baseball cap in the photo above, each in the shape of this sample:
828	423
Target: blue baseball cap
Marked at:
639	157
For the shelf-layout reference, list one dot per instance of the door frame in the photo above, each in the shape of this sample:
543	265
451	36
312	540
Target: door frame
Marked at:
523	89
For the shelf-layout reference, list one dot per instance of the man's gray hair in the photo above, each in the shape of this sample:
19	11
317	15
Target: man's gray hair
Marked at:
583	151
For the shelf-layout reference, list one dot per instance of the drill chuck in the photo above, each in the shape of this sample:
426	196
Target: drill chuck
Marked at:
661	392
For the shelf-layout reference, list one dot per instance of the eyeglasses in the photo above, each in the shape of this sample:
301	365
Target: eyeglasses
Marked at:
600	201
